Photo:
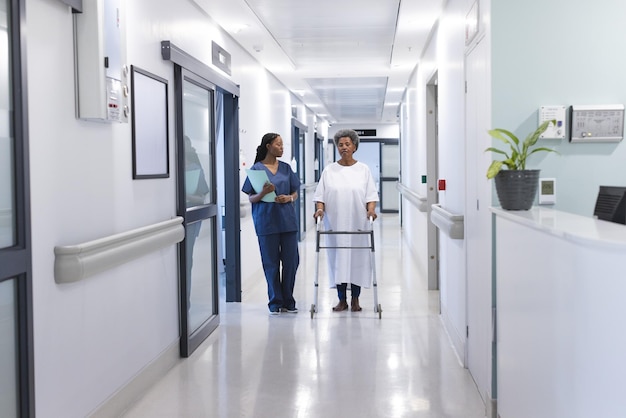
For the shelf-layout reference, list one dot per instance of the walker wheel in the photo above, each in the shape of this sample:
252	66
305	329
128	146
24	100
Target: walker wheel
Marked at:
312	310
379	309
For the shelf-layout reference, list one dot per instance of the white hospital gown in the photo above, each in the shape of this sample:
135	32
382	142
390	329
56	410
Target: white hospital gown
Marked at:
345	191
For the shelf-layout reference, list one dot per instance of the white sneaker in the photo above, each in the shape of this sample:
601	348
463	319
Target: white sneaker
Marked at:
273	313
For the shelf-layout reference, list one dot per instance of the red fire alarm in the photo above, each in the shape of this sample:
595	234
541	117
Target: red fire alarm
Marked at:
441	184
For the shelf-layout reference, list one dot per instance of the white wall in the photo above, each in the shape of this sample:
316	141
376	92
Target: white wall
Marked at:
92	337
413	159
445	55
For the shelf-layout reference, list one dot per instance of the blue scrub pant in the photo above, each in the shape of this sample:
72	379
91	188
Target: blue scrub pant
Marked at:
277	249
342	290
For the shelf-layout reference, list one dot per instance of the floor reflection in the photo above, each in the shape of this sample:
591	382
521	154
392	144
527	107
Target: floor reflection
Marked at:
338	364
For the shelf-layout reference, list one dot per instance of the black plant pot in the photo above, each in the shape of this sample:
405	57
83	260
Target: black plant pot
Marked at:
517	188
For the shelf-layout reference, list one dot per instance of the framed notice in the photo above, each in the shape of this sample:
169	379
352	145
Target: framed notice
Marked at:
149	125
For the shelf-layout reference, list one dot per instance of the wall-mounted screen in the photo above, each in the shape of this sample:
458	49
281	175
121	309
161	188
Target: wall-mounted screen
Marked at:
597	123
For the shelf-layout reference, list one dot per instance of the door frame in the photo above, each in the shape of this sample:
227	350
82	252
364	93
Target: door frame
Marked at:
382	142
232	257
16	260
432	172
319	156
298	128
191	339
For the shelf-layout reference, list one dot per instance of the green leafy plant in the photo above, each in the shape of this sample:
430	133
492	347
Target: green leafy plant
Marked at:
519	151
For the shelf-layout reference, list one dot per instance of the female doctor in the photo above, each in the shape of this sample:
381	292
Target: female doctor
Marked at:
275	223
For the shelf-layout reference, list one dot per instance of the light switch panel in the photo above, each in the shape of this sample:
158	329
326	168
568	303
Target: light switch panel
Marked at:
557	113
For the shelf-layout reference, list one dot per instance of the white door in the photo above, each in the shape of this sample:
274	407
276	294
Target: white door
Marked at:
478	219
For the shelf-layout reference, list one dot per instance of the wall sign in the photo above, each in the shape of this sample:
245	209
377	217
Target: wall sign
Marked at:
220	58
149	125
365	132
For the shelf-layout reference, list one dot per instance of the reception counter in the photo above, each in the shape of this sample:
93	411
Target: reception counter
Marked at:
561	310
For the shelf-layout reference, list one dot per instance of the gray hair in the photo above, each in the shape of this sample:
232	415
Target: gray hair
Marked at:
347	133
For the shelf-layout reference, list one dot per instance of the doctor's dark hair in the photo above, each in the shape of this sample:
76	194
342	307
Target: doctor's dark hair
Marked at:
347	133
261	150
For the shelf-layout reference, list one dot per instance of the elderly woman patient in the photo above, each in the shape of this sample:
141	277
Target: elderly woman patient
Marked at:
345	199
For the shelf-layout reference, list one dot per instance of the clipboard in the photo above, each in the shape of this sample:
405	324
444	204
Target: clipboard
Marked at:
258	178
191	181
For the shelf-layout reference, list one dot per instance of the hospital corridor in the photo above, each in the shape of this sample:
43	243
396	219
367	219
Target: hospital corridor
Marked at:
336	364
157	157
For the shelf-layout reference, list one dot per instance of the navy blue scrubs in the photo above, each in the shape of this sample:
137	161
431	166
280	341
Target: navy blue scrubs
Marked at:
277	231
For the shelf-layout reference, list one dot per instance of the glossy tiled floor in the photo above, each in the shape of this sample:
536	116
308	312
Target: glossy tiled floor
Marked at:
334	365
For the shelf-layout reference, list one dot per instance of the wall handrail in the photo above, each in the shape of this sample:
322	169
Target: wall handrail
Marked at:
450	223
76	262
308	186
418	200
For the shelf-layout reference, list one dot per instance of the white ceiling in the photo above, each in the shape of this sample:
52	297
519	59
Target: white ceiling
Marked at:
348	59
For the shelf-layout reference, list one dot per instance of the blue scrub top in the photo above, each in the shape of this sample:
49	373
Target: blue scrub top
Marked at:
271	217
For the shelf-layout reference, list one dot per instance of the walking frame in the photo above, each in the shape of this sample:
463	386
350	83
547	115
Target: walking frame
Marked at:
319	245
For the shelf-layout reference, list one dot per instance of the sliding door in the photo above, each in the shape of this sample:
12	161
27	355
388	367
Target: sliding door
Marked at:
16	335
198	205
298	151
389	176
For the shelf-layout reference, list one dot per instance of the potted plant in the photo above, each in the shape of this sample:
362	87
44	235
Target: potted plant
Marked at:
517	186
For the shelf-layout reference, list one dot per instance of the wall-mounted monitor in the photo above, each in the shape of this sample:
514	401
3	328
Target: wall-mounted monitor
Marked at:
597	123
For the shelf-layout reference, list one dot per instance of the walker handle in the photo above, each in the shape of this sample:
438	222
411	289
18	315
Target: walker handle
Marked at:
371	218
318	222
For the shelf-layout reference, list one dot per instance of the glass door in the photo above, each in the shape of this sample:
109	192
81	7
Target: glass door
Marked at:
198	206
302	198
9	394
369	154
298	131
16	335
389	175
382	156
318	163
